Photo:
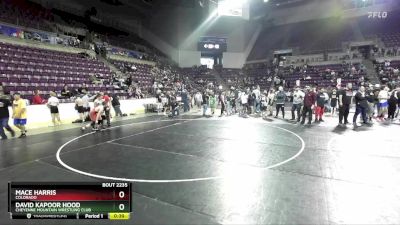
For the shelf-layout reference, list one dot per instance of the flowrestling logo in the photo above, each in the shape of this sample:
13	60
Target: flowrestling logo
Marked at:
378	15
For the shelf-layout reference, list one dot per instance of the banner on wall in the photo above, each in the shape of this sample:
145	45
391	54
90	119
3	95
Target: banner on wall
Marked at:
38	36
120	51
42	37
11	31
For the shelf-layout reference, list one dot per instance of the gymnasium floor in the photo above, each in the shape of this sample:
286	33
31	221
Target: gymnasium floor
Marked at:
232	170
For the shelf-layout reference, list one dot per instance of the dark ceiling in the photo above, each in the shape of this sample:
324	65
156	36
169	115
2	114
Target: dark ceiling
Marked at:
141	9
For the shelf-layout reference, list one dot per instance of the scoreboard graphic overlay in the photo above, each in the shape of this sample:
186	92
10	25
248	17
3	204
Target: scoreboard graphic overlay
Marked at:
70	200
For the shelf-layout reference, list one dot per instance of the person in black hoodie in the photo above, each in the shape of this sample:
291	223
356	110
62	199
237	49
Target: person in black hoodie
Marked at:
361	106
4	116
280	97
116	105
222	100
345	97
206	99
392	105
398	100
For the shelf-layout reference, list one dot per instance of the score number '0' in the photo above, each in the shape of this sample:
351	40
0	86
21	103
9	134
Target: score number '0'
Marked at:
121	194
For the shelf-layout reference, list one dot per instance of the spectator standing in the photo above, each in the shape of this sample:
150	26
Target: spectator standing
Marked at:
244	98
233	100
345	97
392	105
371	99
383	97
333	99
206	102
37	99
116	105
228	100
4	117
270	102
222	101
264	103
361	106
19	114
53	103
319	110
198	100
298	99
250	102
280	97
185	100
257	99
309	101
213	103
398	99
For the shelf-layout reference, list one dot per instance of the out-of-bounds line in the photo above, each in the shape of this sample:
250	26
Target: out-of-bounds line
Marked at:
90	133
175	180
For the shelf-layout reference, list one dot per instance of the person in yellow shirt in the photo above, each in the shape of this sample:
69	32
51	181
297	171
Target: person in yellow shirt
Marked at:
19	113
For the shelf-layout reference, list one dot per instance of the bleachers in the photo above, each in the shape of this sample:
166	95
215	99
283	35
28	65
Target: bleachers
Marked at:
24	69
139	72
198	74
317	78
232	77
258	74
388	73
314	36
391	40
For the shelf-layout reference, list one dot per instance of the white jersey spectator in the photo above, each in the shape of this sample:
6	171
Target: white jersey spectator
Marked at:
298	97
53	101
383	96
257	93
244	98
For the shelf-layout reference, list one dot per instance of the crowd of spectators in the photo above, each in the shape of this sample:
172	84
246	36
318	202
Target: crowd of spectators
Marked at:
388	72
385	52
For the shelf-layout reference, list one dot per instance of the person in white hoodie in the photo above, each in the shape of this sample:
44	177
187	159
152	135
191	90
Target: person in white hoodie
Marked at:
270	101
383	97
53	103
198	99
244	98
298	98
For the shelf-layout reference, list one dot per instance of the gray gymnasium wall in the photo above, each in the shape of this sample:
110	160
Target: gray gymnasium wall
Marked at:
322	10
239	33
181	28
